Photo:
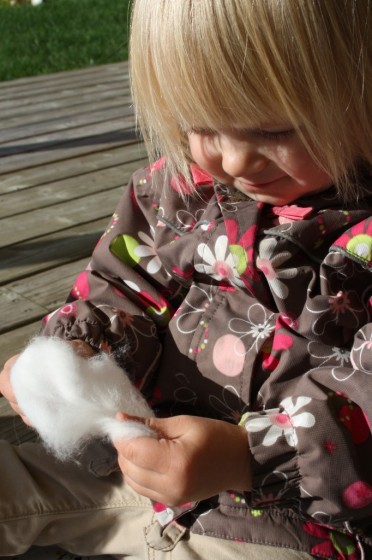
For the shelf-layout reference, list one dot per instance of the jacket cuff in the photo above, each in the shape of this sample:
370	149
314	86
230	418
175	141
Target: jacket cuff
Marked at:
275	473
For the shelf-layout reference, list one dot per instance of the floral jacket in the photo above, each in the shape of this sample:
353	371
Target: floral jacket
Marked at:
224	307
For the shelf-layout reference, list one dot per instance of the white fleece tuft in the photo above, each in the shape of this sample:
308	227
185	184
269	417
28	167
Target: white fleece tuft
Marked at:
70	400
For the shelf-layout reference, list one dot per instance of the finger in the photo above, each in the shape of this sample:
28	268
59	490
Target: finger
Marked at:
146	483
82	349
149	422
150	493
20	413
146	453
10	362
123	417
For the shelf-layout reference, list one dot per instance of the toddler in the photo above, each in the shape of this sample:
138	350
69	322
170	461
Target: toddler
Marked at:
234	284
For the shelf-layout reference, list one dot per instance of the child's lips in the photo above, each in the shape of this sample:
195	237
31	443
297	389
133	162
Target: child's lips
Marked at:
257	185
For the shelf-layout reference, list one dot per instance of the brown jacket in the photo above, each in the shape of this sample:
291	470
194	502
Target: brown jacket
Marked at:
224	307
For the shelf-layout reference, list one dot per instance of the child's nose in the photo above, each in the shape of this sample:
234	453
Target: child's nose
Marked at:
241	161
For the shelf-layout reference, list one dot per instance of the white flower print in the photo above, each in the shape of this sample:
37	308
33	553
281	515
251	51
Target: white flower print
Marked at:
269	261
187	220
282	421
184	393
188	310
258	325
148	250
335	354
223	406
337	305
127	323
222	265
362	351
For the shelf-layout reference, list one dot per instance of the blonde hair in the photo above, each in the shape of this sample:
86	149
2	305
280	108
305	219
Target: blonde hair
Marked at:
225	63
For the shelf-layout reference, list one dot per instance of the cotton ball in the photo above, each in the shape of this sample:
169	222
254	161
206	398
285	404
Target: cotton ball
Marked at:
69	399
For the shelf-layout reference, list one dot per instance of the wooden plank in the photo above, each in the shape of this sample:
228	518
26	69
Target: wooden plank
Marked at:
17	310
76	165
81	141
63	94
49	251
31	116
73	121
67	148
52	86
26	302
102	71
74	101
14	341
124	120
67	189
49	289
63	216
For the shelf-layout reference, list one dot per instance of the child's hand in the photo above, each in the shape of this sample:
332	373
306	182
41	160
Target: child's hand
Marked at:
6	388
194	458
81	348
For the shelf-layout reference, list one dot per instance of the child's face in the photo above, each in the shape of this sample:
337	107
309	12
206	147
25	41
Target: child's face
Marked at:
269	164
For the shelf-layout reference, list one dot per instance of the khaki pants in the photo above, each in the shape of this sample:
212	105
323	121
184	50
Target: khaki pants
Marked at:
44	502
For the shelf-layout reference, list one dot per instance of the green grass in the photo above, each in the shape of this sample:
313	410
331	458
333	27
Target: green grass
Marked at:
61	35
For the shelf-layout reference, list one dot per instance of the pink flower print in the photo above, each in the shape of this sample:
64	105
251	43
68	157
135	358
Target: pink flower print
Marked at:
269	262
272	348
335	545
81	289
68	310
339	303
337	309
269	361
222	264
158	310
124	319
283	423
358	495
329	446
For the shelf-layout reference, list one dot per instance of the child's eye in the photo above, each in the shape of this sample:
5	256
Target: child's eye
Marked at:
202	131
273	134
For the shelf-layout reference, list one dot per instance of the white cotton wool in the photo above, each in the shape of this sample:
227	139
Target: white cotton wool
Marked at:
70	400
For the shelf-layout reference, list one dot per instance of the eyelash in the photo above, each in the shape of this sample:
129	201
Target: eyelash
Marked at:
270	135
266	134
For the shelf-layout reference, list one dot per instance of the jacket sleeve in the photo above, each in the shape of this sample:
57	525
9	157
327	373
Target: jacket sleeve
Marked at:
310	435
123	300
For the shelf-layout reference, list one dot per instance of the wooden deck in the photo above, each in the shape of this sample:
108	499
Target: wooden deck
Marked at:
67	149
